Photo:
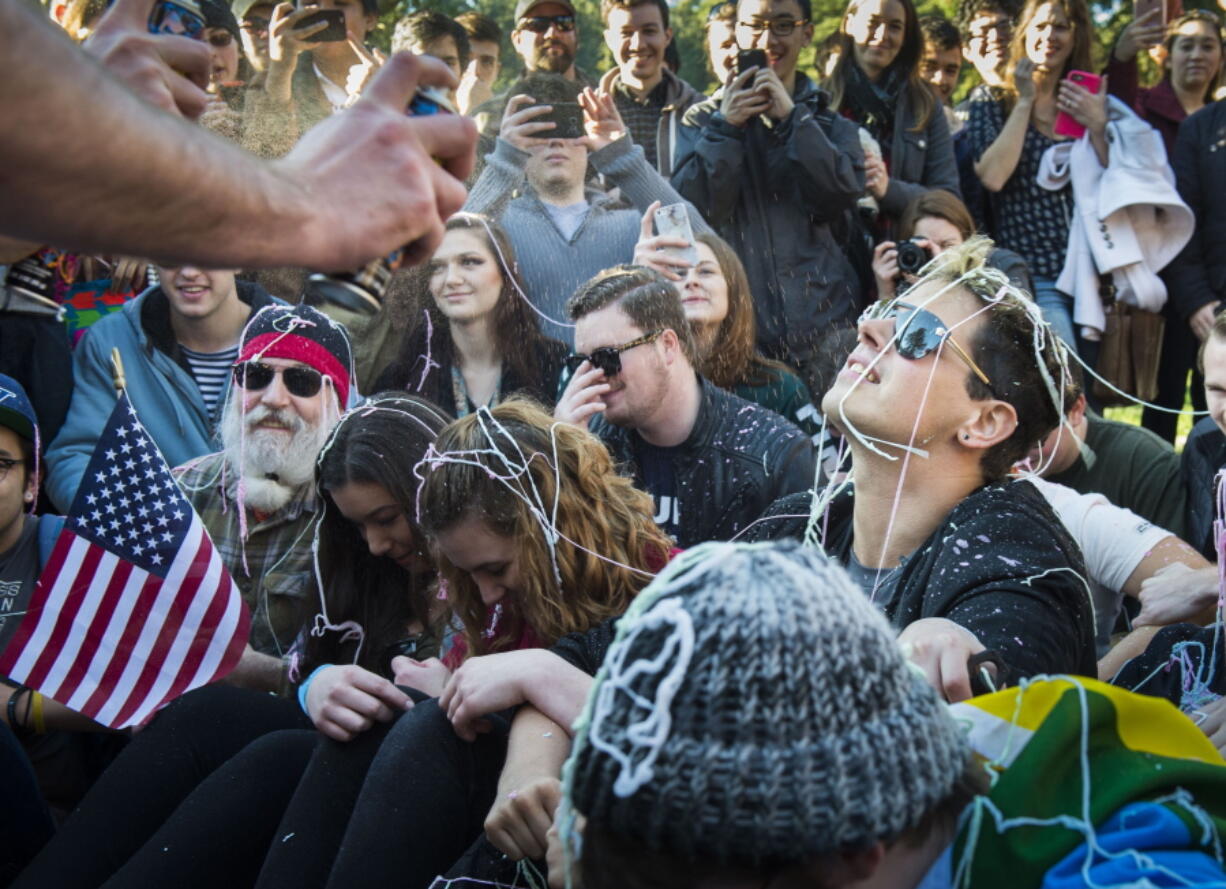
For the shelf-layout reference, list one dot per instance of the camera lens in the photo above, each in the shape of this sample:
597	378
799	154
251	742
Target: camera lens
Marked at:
912	257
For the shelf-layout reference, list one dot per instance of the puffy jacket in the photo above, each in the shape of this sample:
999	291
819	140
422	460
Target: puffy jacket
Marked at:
161	388
738	459
1197	277
773	192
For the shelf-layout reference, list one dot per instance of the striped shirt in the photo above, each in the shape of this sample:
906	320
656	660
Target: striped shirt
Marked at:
211	370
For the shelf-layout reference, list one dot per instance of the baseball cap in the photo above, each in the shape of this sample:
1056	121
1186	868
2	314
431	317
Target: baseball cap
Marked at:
16	412
524	7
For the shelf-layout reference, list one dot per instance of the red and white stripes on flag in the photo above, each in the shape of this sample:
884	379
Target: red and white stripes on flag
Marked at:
134	606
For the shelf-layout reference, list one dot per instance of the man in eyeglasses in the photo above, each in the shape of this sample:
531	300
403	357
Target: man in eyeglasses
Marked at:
987	28
944	391
256	496
177	341
775	171
711	461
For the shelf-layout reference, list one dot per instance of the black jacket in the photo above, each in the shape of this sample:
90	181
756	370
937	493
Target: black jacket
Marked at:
1203	455
424	368
738	459
774	193
1198	275
1001	564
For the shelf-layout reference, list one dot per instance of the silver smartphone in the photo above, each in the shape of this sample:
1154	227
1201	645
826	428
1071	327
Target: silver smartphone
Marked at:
673	221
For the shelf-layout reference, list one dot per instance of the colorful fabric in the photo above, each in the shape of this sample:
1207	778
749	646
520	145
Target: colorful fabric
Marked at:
87	302
1070	757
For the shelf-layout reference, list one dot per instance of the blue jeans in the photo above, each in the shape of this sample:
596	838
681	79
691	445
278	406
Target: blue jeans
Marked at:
1057	309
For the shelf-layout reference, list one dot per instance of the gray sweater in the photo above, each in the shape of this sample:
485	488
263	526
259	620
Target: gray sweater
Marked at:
552	267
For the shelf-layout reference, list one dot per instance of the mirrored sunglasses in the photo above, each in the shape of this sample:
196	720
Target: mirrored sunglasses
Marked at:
918	332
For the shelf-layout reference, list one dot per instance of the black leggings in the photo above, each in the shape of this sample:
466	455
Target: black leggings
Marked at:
395	807
145	784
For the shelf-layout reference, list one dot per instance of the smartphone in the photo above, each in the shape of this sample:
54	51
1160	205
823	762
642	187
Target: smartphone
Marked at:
1065	124
750	58
568	121
1144	7
673	221
182	18
335	32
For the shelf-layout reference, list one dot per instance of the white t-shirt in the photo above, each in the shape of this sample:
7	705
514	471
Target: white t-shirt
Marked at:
1113	541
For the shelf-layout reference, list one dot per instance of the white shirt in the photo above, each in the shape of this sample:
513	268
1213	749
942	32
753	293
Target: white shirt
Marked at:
338	97
1113	541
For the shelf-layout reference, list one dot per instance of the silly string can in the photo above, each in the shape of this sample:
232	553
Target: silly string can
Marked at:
363	290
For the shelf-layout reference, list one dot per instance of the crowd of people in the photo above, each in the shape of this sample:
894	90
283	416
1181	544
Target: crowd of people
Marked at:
714	491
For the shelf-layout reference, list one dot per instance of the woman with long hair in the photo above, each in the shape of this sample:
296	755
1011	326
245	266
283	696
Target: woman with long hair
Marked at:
378	601
876	83
477	340
536	536
1010	135
718	304
374	566
1191	73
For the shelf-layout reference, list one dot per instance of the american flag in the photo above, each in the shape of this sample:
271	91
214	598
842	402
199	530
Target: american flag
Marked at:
134	607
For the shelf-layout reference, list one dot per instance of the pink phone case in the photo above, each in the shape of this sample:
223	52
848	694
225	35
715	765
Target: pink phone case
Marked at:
1065	125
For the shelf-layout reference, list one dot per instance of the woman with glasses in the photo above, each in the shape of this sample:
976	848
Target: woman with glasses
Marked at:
475	340
1191	72
1009	136
876	83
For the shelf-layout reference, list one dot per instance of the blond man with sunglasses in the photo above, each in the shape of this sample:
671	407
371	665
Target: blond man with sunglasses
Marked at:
948	385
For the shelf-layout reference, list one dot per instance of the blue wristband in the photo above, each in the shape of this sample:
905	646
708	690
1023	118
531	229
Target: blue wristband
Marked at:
305	686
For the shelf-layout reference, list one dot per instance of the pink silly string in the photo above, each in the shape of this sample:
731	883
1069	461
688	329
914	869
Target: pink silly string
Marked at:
430	362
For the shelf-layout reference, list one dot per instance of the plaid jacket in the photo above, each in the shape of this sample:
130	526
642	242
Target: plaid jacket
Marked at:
273	566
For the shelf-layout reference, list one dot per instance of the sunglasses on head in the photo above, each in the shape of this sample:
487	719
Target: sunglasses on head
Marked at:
539	24
608	359
302	382
918	332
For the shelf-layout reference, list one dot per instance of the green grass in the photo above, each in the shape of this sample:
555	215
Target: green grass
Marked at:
1132	414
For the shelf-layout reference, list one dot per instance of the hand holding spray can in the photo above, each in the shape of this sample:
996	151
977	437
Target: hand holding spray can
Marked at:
363	290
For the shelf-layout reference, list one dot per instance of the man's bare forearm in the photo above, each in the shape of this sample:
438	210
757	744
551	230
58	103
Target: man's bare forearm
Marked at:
138	180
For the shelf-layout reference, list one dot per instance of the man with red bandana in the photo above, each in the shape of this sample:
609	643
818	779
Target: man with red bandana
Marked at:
256	496
177	341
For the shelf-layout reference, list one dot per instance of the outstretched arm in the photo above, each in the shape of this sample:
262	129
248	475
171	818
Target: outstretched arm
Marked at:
357	186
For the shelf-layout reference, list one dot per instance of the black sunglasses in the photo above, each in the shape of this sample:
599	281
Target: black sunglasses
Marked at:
220	38
608	359
539	24
301	382
918	332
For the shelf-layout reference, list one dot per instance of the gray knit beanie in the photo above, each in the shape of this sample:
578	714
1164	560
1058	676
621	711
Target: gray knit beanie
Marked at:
756	708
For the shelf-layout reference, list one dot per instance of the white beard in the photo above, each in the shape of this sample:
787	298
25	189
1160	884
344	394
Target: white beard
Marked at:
276	466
